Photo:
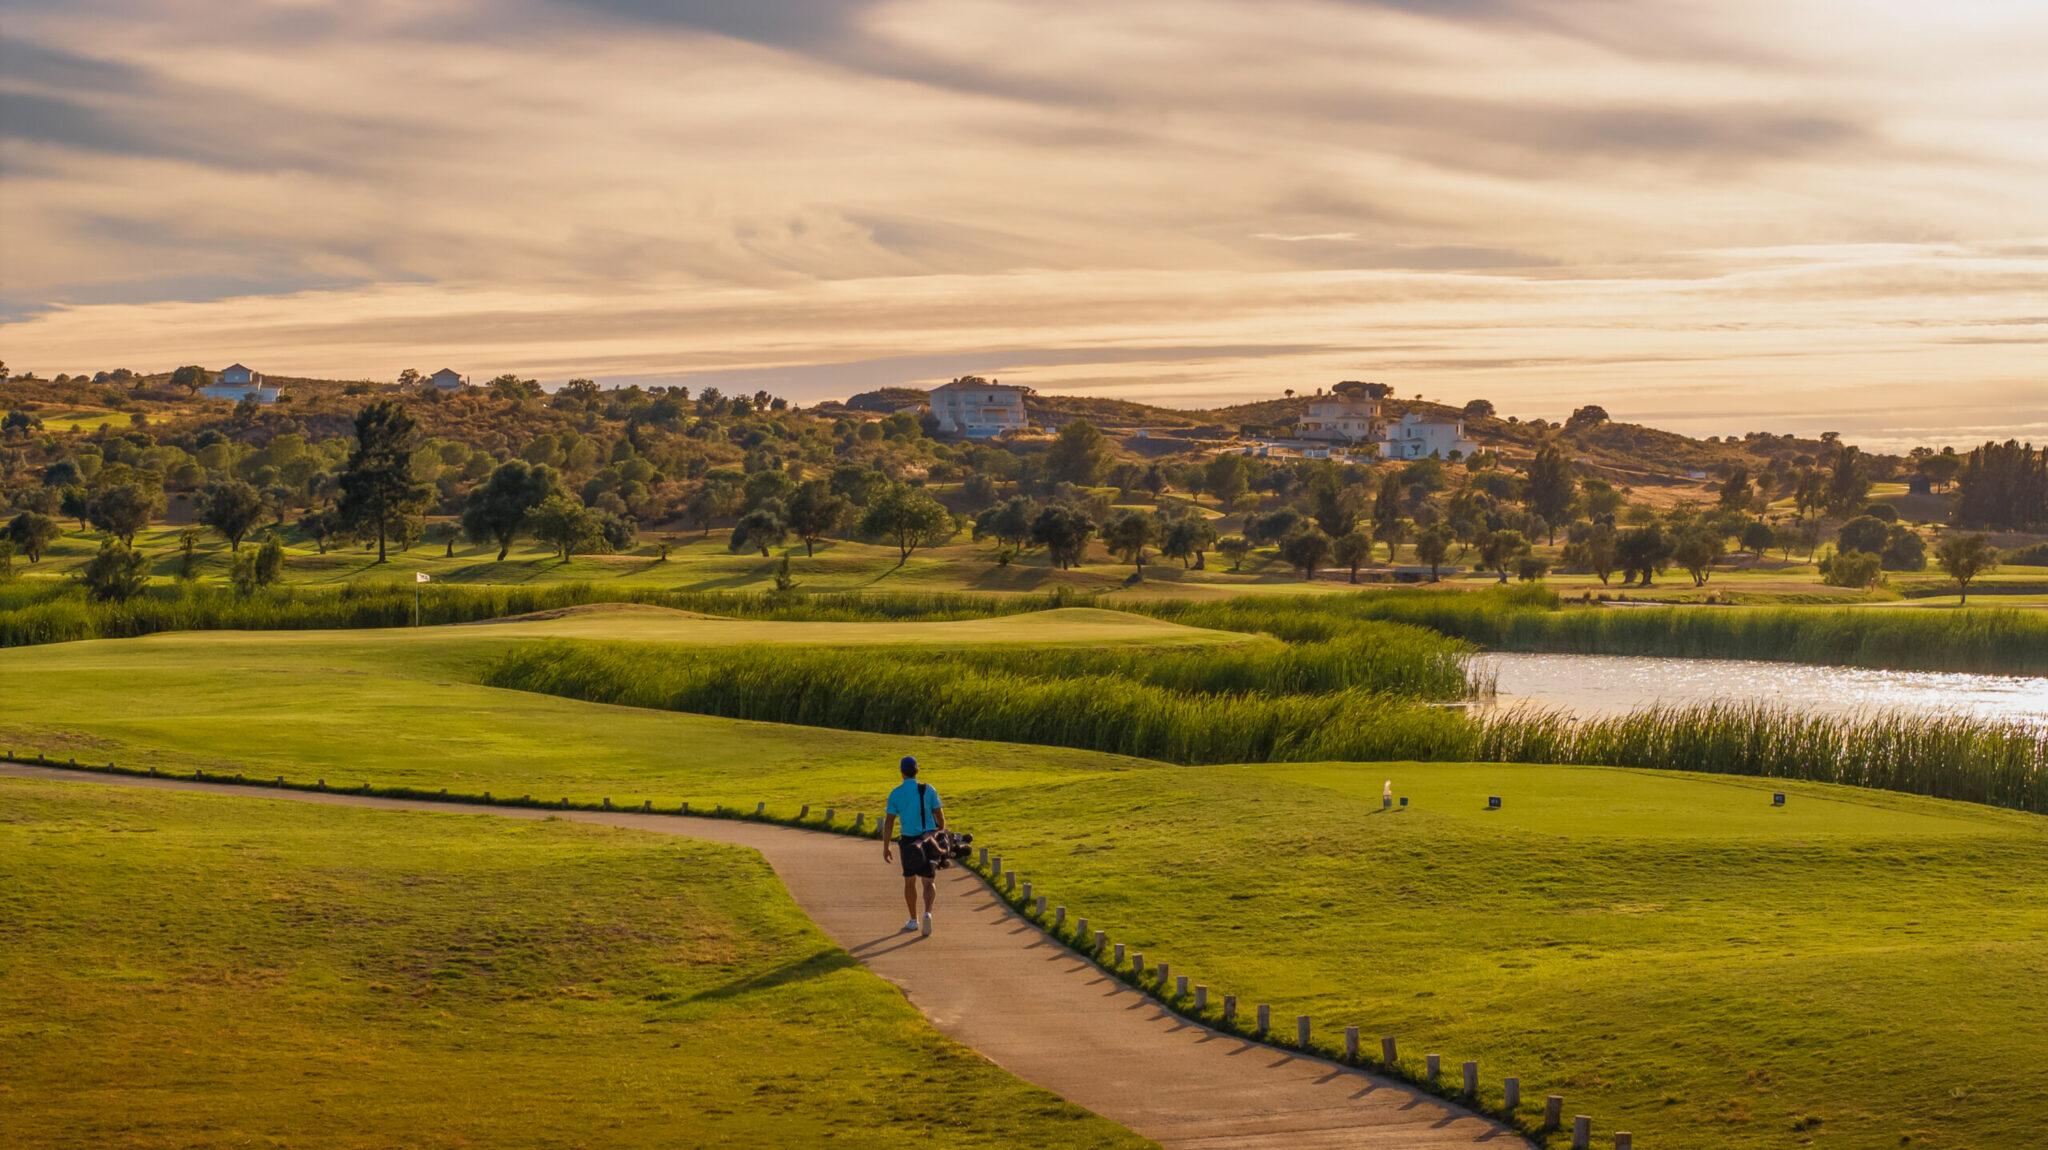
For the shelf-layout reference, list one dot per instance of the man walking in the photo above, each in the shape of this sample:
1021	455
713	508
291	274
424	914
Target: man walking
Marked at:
915	807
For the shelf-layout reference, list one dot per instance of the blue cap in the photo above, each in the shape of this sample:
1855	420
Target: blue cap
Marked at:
909	765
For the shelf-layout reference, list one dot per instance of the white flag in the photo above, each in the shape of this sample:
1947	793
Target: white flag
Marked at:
420	577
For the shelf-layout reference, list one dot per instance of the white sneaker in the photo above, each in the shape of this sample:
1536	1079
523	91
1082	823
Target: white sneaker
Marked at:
926	929
911	925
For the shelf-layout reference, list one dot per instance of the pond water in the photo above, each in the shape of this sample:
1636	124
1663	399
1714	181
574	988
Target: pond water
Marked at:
1614	684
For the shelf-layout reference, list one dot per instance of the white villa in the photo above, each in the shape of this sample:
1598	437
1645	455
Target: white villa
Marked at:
1418	438
978	408
1351	417
448	379
237	382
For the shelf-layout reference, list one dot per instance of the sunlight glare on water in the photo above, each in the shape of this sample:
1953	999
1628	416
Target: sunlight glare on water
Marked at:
1615	684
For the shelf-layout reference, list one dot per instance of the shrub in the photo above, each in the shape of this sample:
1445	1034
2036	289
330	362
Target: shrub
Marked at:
1851	569
2032	555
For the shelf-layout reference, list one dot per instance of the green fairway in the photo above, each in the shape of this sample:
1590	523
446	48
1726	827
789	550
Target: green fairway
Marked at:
1061	626
197	970
1670	952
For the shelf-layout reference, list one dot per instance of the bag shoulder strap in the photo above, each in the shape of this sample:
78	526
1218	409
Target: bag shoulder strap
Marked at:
924	805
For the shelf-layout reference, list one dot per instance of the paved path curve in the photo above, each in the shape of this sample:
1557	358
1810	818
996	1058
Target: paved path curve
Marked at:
990	979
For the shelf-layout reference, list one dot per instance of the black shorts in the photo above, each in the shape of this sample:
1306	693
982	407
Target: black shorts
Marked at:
916	864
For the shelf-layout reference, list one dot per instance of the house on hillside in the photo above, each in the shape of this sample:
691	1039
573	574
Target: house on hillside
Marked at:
1416	437
977	408
1349	414
448	379
237	383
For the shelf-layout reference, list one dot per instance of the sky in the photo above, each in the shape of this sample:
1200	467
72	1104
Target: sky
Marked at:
1724	216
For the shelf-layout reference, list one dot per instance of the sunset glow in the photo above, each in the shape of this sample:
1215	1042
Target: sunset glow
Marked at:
1712	217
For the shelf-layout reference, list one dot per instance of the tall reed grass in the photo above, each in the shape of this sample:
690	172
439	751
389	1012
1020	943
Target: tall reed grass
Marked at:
1381	658
1944	756
1068	703
1530	618
1103	701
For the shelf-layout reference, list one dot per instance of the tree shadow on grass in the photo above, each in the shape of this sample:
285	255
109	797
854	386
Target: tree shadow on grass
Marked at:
817	965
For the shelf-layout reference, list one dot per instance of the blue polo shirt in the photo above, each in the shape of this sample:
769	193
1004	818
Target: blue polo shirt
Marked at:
905	804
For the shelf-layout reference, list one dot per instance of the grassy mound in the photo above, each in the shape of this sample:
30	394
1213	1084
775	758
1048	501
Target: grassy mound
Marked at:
197	970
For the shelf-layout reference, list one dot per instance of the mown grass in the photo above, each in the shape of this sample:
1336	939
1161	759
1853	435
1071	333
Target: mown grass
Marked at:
1669	951
200	970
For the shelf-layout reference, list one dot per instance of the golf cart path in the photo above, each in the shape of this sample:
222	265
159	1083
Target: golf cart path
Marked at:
991	980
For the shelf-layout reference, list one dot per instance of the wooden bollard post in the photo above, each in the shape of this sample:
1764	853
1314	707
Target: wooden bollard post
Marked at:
607	804
1433	1066
996	866
1623	1140
1512	1090
280	779
805	812
760	808
1059	917
1229	1009
1582	1132
1027	892
1471	1079
1009	881
1137	966
686	805
1041	906
1301	1032
1081	935
1180	987
828	814
1201	999
1101	937
984	850
1351	1043
1117	958
565	805
647	806
1265	1018
1165	972
860	819
1388	1054
1553	1112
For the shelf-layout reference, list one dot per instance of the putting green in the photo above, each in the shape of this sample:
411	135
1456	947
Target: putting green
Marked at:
1616	802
